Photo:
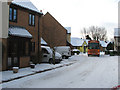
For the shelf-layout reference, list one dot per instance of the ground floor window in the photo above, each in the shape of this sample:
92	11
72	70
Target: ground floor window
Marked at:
33	46
18	47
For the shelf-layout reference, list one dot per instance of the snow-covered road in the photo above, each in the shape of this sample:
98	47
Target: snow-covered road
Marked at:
87	72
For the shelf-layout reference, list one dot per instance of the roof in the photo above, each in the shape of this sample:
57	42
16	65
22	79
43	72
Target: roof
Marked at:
26	4
86	41
43	42
103	43
77	41
68	29
18	31
117	32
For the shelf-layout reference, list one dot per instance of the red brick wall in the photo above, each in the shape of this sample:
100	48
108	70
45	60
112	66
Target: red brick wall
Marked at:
53	32
23	21
24	62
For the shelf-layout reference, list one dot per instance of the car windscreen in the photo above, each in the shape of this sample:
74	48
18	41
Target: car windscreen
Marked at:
93	46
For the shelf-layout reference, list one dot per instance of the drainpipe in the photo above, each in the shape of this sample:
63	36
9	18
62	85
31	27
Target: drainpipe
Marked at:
38	39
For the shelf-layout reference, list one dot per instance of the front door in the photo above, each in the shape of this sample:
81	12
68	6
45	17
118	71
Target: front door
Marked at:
13	56
84	49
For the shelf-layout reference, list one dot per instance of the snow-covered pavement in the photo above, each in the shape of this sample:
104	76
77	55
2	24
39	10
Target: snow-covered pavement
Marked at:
86	72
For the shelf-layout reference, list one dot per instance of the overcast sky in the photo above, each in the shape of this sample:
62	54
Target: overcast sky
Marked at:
82	13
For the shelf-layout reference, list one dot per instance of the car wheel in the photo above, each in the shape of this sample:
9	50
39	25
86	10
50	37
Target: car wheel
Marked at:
64	57
51	61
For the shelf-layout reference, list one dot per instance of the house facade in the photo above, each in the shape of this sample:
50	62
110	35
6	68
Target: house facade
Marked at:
24	33
103	45
68	34
53	32
117	39
4	11
79	44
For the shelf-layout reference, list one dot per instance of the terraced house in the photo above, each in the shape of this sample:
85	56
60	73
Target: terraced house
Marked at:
24	34
117	39
53	32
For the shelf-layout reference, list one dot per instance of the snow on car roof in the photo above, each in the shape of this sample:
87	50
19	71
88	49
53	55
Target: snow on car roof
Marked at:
77	41
18	31
62	47
117	32
26	4
48	48
75	50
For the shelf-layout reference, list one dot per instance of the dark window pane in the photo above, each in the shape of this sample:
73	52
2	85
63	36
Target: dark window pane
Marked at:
33	20
10	12
30	18
93	46
15	15
33	46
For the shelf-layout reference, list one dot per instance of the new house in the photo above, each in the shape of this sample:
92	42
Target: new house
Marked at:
117	39
24	34
80	44
53	32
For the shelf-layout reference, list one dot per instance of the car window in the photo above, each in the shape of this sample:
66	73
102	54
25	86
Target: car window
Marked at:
44	51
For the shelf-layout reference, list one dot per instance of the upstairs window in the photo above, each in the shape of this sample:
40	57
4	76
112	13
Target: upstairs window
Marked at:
13	14
31	20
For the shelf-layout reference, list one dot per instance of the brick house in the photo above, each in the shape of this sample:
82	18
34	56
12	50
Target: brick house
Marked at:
24	34
117	39
68	34
103	45
80	44
53	32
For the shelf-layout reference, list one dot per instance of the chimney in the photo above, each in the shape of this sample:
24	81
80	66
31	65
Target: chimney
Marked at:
40	10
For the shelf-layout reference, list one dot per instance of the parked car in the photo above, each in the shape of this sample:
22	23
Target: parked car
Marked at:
65	51
47	55
75	51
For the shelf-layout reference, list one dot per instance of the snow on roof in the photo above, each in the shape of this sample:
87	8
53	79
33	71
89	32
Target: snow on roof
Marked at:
77	41
17	31
26	4
103	43
43	42
68	29
117	32
86	41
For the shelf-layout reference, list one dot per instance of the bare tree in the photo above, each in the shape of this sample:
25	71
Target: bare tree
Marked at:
96	33
84	32
52	40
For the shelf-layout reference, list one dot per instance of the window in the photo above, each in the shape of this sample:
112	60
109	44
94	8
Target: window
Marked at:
33	47
10	16
44	51
31	20
118	39
93	46
13	14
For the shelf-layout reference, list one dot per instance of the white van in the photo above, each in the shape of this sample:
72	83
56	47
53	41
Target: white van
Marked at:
65	51
47	55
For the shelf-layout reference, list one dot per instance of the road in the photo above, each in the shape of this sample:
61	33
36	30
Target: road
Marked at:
86	72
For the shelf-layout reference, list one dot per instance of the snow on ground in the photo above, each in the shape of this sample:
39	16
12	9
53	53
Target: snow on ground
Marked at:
7	75
87	72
